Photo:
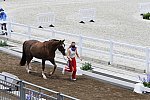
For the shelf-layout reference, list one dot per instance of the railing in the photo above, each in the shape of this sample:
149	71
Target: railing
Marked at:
108	50
23	90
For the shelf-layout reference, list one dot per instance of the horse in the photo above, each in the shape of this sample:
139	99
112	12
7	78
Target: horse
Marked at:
41	50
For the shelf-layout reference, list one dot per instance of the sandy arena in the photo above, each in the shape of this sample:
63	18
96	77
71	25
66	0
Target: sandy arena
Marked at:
84	88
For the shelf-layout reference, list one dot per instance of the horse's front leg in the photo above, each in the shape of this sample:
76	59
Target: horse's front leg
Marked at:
43	67
27	68
53	62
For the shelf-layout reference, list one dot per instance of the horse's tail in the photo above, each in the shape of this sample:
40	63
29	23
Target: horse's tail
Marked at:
23	59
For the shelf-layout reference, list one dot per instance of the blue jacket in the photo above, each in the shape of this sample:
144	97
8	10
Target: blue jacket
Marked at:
3	16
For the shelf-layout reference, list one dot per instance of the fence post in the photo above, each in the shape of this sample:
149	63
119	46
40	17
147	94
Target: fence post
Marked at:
22	91
147	61
111	53
29	32
9	28
59	96
80	44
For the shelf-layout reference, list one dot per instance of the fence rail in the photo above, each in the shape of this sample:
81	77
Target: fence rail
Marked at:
23	90
108	50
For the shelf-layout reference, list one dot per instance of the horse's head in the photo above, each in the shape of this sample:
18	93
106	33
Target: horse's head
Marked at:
61	47
57	44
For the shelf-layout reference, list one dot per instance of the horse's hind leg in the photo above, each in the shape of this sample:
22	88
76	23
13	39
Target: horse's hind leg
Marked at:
28	68
43	67
53	62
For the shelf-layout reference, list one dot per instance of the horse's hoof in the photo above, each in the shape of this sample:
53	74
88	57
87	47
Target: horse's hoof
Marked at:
30	67
50	73
44	77
29	71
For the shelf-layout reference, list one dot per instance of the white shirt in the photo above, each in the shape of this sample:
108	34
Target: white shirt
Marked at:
72	53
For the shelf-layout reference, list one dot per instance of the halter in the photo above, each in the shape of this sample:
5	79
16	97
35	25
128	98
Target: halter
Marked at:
73	49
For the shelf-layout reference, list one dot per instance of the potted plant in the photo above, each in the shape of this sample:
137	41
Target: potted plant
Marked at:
86	66
146	16
3	43
145	81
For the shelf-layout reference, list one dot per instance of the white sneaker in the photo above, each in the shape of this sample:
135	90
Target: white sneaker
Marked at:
74	79
63	71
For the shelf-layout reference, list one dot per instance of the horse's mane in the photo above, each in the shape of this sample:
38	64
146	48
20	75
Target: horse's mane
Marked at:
53	40
51	43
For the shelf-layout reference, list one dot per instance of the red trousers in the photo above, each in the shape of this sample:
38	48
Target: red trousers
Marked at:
72	68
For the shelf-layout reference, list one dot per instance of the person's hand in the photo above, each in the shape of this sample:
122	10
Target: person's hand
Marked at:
80	59
65	58
70	59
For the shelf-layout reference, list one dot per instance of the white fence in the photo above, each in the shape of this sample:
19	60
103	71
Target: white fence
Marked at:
23	90
144	7
29	2
113	52
87	14
46	19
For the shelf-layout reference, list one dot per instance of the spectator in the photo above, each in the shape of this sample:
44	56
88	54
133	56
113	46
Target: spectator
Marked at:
3	19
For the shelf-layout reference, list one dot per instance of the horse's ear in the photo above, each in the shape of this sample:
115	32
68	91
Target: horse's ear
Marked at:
63	40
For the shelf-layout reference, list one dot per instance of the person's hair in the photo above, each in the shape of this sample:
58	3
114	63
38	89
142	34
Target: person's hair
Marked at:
1	9
71	43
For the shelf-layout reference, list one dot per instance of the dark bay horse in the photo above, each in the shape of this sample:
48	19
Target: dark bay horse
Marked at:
41	50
